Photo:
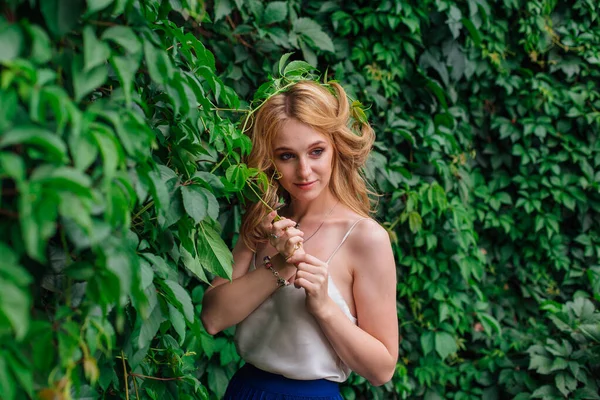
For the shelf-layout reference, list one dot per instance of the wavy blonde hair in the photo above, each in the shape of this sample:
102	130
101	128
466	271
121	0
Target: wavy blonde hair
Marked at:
329	114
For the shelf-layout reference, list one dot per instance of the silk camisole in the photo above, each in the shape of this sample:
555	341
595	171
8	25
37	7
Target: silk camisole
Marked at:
283	338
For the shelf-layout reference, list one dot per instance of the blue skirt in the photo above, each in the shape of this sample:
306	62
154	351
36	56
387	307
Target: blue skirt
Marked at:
251	383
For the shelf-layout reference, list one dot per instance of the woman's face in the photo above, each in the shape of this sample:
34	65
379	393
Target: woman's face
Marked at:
304	158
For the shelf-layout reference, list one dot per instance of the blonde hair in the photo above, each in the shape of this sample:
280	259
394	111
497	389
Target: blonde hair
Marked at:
329	114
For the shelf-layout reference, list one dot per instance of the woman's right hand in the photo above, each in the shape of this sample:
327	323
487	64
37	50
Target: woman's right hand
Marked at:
283	234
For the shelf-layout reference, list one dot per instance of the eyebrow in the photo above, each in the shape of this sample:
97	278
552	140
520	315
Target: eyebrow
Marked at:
319	142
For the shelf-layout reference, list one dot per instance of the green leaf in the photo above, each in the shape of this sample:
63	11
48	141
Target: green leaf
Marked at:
112	154
472	31
14	304
213	253
192	264
217	380
85	82
12	165
312	30
541	363
125	37
178	322
52	145
182	298
61	15
41	49
97	5
194	202
275	12
297	68
8	386
427	342
11	42
445	344
126	67
222	9
150	326
95	52
158	63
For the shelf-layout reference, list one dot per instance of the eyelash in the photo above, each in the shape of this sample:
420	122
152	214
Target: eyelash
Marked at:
282	156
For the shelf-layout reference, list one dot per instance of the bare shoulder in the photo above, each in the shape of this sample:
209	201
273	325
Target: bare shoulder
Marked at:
369	245
368	234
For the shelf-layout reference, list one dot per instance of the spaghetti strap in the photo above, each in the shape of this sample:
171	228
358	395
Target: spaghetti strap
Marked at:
344	239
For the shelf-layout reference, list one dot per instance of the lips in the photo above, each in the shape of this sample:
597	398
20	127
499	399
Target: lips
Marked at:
305	186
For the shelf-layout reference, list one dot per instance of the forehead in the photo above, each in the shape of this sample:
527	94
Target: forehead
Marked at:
296	135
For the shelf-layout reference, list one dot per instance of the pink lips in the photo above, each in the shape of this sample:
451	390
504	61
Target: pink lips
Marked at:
306	186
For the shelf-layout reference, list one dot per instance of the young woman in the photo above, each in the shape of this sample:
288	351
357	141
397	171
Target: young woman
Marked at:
314	293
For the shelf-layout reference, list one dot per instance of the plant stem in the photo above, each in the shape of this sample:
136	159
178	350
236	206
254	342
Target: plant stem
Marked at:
263	102
125	376
219	164
177	378
146	207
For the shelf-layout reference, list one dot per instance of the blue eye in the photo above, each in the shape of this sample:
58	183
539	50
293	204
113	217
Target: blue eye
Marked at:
285	156
318	152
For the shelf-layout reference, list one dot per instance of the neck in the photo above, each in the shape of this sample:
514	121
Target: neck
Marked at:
318	207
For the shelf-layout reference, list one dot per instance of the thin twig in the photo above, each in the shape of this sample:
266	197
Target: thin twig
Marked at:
137	394
103	23
125	375
177	378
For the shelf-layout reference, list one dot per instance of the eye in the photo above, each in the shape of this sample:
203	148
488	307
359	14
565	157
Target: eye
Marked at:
285	156
317	152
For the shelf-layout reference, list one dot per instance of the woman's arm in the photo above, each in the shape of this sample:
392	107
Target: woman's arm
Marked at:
371	348
226	303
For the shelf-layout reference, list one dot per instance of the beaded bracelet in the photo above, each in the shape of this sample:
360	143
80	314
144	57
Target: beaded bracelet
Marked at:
269	265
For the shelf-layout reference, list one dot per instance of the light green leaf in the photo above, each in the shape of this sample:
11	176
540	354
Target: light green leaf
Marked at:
213	253
427	342
95	52
182	298
312	30
125	37
282	61
194	202
275	12
11	42
112	154
97	5
178	322
14	304
12	165
150	327
158	63
86	82
222	9
51	143
192	264
445	344
297	68
126	67
41	49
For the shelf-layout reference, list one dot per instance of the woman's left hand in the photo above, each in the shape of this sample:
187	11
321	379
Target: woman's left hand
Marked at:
313	276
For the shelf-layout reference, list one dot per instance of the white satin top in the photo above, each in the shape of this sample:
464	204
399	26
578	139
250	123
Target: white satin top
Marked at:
281	337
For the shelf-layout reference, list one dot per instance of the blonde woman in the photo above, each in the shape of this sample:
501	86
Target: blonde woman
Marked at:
313	294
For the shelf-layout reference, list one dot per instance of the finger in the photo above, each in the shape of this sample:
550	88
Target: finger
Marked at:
305	284
310	269
291	245
290	232
284	224
316	279
309	259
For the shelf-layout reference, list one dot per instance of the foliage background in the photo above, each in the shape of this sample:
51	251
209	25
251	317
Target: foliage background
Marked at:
121	186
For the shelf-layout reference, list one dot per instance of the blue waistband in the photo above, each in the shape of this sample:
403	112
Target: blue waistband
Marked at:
273	383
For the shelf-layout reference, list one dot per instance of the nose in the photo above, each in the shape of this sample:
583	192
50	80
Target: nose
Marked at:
304	169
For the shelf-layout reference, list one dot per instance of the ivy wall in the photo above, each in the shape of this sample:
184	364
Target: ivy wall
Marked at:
121	185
